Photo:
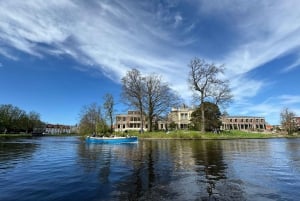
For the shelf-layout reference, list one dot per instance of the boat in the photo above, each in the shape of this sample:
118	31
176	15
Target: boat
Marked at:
112	140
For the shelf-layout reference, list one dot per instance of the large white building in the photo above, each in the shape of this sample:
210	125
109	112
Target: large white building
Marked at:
181	117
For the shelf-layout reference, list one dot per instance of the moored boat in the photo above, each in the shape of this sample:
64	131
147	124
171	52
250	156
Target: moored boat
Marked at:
112	140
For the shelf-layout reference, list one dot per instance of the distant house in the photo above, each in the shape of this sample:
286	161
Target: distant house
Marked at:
296	121
57	129
243	123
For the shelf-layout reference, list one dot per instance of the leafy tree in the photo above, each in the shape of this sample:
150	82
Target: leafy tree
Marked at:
212	115
14	119
204	81
109	109
287	122
91	120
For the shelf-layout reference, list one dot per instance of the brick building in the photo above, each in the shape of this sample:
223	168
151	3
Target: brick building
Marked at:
243	123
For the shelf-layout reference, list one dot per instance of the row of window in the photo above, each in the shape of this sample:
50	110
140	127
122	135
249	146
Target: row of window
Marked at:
246	120
131	118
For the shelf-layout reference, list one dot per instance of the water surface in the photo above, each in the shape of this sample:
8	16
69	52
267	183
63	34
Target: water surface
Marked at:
67	168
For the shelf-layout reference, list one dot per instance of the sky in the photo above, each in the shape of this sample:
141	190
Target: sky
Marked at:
58	56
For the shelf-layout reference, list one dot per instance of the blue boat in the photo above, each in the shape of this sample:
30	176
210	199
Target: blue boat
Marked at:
112	140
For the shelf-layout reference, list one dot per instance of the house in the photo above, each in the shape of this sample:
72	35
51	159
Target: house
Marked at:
130	121
243	123
57	129
181	116
296	121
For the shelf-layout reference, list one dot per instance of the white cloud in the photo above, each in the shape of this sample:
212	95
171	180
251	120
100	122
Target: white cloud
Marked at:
289	99
292	66
114	36
178	18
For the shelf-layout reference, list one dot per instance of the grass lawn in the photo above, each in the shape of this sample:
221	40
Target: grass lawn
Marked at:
15	135
186	134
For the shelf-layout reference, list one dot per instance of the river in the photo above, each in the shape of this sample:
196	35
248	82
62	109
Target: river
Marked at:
67	168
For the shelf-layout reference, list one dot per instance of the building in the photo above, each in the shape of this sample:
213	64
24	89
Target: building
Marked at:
243	123
181	116
130	121
57	129
296	121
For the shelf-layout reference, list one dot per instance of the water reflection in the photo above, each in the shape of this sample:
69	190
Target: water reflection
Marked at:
161	169
56	168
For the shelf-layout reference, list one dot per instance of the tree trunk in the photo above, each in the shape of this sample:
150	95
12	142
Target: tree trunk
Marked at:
202	114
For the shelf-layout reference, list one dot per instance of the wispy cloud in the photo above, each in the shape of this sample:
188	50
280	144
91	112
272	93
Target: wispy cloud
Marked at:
114	36
289	99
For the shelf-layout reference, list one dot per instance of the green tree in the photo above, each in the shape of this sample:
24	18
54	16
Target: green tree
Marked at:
212	115
14	120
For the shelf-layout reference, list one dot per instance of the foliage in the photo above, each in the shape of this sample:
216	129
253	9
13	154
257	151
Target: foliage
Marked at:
172	125
212	117
204	80
91	120
287	122
16	120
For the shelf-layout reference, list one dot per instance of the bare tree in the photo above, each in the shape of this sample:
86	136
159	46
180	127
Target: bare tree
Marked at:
203	79
91	120
287	120
109	109
133	91
159	97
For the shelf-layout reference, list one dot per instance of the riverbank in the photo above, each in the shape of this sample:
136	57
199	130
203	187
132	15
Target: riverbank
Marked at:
194	135
184	135
30	135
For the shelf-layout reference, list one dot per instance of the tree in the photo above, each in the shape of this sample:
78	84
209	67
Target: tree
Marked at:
287	120
159	98
204	81
91	120
133	91
149	94
15	120
212	115
109	109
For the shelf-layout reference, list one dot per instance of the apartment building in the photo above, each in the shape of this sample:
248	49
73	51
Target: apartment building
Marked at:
243	123
130	121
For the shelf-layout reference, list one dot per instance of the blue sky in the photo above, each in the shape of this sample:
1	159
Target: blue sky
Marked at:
57	56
